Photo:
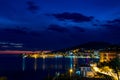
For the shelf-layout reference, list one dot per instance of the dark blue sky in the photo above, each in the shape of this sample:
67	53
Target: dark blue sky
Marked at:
54	24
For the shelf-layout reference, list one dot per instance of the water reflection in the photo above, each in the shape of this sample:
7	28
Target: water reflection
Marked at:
53	63
35	64
44	64
75	63
49	63
38	67
23	63
71	62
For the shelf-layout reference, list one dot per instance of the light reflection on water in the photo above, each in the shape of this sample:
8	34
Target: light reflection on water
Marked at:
23	64
47	63
45	66
54	63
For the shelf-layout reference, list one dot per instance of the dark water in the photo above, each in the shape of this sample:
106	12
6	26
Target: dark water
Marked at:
15	67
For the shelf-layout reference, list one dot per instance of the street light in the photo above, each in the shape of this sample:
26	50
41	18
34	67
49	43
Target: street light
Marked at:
71	71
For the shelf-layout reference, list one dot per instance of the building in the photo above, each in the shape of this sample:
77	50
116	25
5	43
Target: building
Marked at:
106	56
85	71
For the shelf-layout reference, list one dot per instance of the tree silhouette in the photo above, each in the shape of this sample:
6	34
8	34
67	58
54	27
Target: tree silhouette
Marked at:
115	65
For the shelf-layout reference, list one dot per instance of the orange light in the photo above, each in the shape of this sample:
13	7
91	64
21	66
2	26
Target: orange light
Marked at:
71	70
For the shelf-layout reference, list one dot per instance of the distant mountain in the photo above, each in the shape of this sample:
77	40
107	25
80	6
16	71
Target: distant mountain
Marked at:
94	45
89	45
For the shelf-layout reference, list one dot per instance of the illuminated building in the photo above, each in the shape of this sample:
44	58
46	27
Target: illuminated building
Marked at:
106	56
85	71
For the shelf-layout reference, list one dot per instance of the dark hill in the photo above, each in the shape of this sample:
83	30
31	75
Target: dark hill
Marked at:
89	45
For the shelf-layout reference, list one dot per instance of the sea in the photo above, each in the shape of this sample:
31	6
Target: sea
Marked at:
17	67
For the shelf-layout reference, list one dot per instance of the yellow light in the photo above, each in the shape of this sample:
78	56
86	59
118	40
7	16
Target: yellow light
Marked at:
44	57
71	70
96	69
35	56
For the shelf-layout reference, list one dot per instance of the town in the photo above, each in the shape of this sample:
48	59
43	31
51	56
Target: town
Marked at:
106	68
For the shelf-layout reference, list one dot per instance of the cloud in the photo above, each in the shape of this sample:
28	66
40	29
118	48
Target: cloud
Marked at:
35	33
20	31
113	26
32	7
79	29
15	31
57	28
115	21
75	17
6	21
29	37
37	39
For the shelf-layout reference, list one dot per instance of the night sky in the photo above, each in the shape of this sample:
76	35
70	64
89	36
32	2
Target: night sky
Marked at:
55	24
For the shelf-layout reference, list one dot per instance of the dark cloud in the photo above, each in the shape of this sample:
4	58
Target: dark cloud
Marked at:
75	17
35	33
38	39
15	31
112	26
79	29
95	24
57	28
115	21
20	31
28	37
32	7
